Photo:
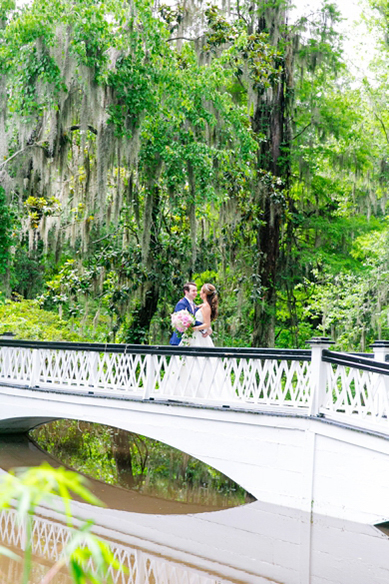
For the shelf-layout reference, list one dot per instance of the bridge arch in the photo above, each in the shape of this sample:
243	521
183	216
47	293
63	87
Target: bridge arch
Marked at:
291	460
203	433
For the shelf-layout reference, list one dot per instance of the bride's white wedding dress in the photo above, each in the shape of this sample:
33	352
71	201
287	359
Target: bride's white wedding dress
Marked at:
197	339
197	377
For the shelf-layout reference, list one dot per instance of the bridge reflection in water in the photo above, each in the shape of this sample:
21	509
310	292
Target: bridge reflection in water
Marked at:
339	553
49	539
256	543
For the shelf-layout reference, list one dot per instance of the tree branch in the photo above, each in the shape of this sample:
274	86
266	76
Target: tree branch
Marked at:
185	38
78	127
105	236
302	131
240	81
383	126
17	154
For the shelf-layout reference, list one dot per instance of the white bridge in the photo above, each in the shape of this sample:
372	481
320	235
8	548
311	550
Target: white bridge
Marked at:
306	429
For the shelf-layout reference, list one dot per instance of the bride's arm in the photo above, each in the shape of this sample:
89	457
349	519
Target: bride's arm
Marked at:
206	311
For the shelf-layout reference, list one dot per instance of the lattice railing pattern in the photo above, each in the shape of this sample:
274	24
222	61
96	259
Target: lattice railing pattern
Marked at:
268	382
199	379
141	567
357	393
271	381
354	386
16	364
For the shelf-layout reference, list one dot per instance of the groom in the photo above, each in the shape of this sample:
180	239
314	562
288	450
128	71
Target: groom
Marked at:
188	303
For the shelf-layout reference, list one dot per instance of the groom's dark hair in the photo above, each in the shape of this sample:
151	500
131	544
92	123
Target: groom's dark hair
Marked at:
186	286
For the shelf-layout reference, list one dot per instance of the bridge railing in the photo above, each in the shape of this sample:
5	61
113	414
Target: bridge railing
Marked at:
357	388
351	387
250	377
348	387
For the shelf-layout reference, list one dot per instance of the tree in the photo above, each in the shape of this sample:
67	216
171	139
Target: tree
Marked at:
154	148
117	139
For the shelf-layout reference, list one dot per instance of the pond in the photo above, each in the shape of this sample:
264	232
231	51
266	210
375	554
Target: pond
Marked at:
139	464
164	541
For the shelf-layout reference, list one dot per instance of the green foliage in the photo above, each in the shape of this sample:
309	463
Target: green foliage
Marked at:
5	232
28	321
353	306
87	557
137	462
30	487
254	50
141	161
23	56
28	271
5	7
38	207
66	286
190	130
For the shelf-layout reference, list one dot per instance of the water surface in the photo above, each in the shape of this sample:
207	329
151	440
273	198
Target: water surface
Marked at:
166	544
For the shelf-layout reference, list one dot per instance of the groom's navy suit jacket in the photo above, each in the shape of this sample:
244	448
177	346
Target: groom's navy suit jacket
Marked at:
181	305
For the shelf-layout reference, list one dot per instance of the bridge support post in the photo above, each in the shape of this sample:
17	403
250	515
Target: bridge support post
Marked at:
380	350
35	370
150	376
381	354
318	373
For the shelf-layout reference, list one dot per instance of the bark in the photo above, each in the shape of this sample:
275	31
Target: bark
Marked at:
192	217
271	119
143	315
123	458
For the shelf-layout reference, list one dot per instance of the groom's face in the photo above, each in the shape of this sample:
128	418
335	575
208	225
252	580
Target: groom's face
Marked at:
192	293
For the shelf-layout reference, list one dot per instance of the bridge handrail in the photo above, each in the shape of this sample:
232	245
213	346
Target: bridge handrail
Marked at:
237	352
349	360
226	375
312	381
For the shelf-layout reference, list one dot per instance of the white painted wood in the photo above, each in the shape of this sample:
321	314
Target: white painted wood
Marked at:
267	382
279	459
268	439
318	381
358	396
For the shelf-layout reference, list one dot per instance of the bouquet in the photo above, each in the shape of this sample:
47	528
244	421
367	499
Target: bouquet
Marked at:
183	321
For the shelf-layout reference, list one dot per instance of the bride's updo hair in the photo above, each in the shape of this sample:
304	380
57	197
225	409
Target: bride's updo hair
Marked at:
212	299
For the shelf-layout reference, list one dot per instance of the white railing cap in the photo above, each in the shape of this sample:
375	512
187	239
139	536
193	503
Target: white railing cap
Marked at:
320	341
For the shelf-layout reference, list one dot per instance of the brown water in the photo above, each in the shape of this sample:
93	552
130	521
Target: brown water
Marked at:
175	543
138	463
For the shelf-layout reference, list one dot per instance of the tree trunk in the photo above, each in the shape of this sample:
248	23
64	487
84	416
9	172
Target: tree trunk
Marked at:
147	307
143	315
123	458
272	121
192	217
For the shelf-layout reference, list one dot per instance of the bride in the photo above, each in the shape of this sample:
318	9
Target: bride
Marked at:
200	377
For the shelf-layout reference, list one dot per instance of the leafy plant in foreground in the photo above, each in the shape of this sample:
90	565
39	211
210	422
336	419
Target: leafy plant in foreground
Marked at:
87	557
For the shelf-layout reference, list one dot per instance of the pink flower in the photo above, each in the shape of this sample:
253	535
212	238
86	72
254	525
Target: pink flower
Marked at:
182	320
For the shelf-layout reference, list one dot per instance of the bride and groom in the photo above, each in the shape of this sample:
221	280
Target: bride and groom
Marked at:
204	314
194	376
